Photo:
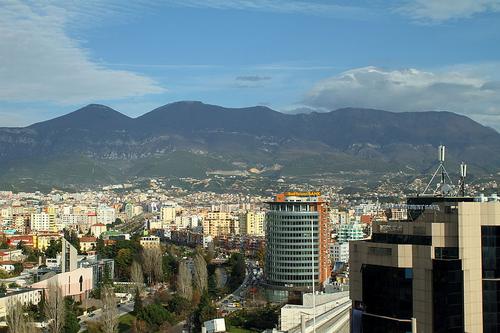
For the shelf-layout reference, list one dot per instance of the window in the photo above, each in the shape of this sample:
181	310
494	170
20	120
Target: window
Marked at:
387	291
447	285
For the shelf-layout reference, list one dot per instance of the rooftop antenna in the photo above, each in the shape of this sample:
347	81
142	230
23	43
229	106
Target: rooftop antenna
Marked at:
463	174
442	188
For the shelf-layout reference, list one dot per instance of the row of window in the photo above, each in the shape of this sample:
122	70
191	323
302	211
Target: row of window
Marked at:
288	257
288	228
291	277
296	270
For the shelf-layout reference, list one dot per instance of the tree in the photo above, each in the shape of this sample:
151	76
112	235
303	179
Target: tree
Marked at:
179	305
109	316
20	246
184	281
100	246
237	270
261	255
14	285
123	261
152	264
15	317
210	252
3	289
155	315
200	273
55	247
72	237
170	265
137	302
18	268
71	324
16	320
4	245
54	308
205	311
136	275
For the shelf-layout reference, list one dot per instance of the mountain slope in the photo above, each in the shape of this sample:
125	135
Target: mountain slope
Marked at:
209	137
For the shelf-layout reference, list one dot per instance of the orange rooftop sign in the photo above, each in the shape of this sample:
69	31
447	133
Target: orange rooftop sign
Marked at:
303	194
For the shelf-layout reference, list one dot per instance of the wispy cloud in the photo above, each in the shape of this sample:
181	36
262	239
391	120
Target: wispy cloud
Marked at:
253	78
409	90
435	11
279	6
40	62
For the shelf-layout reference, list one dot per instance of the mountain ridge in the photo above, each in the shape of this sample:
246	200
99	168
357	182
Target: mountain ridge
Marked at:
346	139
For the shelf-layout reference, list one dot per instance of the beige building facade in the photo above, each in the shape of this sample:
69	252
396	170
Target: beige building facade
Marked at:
436	271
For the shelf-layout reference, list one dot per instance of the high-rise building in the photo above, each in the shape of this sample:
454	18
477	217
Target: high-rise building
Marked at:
168	212
297	242
252	223
219	223
438	270
41	222
350	231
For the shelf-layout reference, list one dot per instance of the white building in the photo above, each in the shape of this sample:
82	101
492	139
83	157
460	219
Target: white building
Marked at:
350	231
149	242
40	222
168	212
24	296
328	307
105	214
252	223
340	252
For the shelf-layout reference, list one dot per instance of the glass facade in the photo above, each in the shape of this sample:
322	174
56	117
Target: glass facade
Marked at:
387	291
490	245
448	294
290	247
372	324
401	239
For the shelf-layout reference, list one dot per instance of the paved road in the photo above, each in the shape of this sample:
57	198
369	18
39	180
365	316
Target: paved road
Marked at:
240	291
123	309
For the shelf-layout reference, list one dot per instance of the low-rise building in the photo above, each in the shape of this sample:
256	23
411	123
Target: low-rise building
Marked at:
87	243
24	296
149	242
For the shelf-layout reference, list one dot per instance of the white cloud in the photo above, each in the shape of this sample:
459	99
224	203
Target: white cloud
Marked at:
409	90
442	10
40	62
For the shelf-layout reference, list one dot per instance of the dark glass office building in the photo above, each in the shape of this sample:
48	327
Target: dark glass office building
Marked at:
437	271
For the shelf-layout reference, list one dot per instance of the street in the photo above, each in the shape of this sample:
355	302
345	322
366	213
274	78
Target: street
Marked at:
96	315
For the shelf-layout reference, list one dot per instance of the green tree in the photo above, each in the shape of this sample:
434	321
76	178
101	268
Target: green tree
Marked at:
106	279
179	305
20	246
237	269
137	302
170	266
155	315
18	268
72	237
123	263
100	247
213	289
4	245
3	289
55	247
205	311
71	324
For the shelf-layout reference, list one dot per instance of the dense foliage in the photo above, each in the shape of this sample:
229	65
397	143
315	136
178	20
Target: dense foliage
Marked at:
259	319
237	270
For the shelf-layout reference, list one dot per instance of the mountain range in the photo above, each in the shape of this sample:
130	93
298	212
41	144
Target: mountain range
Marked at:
96	144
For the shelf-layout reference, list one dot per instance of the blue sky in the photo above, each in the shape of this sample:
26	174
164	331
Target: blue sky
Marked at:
293	56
